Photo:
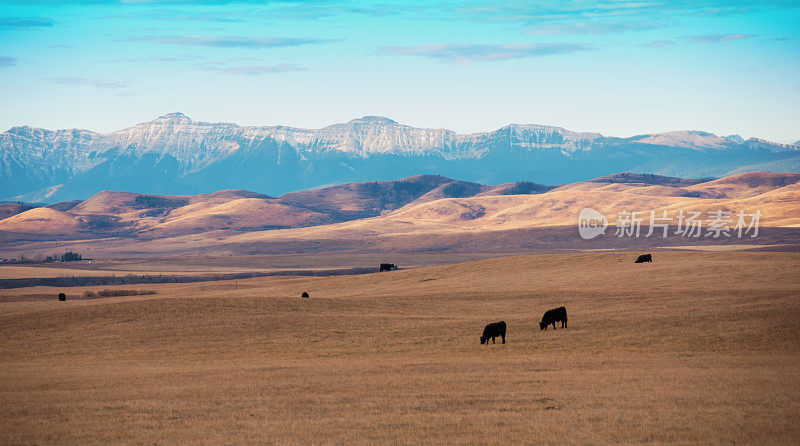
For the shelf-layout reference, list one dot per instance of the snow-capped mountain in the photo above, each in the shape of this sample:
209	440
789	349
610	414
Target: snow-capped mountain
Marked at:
177	135
174	154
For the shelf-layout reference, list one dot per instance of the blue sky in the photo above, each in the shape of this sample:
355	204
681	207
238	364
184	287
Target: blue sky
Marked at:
616	67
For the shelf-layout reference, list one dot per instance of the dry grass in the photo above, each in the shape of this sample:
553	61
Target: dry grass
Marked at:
698	347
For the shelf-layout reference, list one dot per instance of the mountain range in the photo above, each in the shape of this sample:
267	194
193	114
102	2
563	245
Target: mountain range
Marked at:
173	154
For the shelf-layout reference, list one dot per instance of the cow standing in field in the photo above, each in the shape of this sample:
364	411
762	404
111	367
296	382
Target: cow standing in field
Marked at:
387	267
492	331
552	316
644	258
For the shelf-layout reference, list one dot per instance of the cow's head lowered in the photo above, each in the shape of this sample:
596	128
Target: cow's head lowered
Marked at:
484	340
542	325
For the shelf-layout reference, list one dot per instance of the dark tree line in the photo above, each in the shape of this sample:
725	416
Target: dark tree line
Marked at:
118	293
459	190
526	187
68	256
131	279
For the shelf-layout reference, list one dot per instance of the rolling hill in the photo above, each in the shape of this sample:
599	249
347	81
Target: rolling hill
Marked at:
415	213
144	216
9	209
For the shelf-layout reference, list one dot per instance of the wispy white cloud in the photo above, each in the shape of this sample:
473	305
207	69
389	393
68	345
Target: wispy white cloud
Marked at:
592	27
658	43
253	70
233	41
703	38
716	38
24	22
466	54
223	16
542	11
6	61
96	83
153	59
247	66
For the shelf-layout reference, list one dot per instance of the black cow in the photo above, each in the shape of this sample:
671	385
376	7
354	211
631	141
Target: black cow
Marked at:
552	316
492	331
387	267
62	297
304	294
644	258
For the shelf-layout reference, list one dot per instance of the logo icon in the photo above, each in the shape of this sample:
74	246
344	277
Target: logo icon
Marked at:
591	223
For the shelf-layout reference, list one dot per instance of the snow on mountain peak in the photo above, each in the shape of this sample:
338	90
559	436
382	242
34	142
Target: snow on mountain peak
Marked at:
689	139
372	119
175	117
537	136
221	155
195	144
761	144
735	138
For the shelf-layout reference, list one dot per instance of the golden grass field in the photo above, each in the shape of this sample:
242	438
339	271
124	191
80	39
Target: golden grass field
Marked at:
697	347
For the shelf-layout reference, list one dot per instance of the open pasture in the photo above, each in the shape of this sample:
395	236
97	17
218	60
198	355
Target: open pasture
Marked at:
193	265
697	347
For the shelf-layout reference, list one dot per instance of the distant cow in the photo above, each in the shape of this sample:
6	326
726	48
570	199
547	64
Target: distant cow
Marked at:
492	331
552	316
304	294
644	258
387	267
62	297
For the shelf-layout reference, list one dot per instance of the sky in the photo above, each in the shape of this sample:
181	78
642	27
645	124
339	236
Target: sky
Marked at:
620	68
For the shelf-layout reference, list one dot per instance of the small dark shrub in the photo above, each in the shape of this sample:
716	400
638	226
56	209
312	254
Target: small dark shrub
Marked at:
152	201
118	293
459	190
70	256
526	187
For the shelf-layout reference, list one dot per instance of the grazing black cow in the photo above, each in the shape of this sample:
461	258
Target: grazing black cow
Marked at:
644	258
492	331
304	294
62	297
552	316
387	267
